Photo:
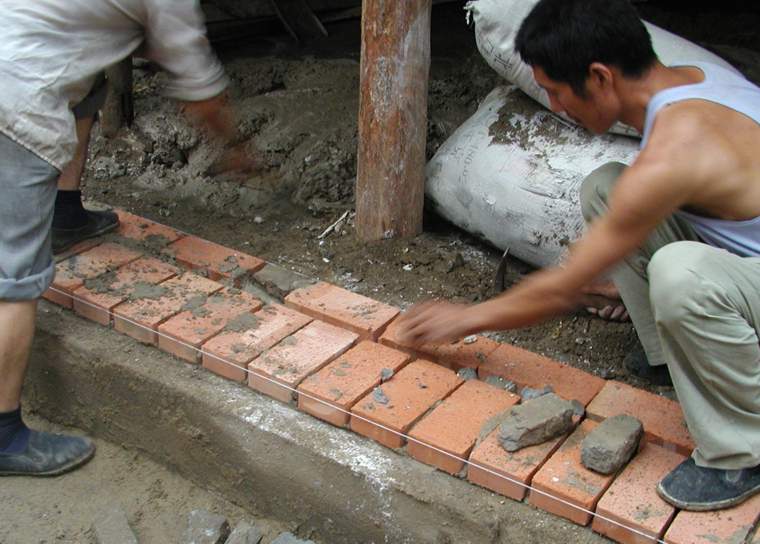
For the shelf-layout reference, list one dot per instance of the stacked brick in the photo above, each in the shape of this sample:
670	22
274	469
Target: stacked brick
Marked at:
337	355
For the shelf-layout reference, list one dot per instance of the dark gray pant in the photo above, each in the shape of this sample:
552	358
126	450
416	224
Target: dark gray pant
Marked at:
27	197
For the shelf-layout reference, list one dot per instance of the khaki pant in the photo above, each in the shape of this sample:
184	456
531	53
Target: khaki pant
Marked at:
696	308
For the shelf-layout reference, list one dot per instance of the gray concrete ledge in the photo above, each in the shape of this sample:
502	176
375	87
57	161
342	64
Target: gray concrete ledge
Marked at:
258	453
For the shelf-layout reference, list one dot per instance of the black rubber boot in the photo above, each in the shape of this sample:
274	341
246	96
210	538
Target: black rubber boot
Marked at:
47	454
636	363
691	487
98	223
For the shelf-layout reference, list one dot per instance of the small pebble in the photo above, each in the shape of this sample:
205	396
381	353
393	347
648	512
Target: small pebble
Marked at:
379	396
468	374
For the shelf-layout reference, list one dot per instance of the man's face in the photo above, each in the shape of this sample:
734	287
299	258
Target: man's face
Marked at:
591	111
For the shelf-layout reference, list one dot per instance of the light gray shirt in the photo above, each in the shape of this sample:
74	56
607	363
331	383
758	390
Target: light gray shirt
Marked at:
51	51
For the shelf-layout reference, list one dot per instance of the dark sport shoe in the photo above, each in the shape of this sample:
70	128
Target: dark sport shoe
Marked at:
691	487
97	223
636	363
47	454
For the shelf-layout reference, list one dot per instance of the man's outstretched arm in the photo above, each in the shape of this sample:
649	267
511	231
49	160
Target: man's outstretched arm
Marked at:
646	194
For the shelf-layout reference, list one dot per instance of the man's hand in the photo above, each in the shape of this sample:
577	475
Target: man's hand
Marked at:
435	323
236	159
215	116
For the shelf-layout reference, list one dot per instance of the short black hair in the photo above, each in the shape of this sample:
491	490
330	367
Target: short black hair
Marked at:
564	37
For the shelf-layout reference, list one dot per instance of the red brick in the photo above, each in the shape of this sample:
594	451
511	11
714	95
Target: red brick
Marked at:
366	317
76	249
563	476
632	498
183	334
470	406
511	468
465	353
218	261
411	393
138	228
140	318
296	357
97	302
731	526
71	273
229	353
528	369
662	418
330	393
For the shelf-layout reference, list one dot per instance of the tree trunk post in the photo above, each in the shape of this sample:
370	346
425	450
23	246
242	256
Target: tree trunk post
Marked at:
395	66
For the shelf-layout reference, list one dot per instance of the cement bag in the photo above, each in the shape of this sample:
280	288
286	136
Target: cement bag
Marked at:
496	26
512	172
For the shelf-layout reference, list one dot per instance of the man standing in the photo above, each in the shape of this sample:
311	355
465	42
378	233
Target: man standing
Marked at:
50	55
679	229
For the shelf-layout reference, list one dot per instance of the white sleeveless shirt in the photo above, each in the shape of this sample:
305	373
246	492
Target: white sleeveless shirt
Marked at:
731	90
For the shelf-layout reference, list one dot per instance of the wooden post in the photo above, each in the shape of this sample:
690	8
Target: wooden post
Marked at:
395	65
119	107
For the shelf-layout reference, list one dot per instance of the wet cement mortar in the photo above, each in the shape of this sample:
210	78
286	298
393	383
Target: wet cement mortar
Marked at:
297	111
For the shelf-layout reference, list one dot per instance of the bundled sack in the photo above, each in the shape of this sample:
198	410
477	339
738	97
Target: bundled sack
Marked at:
511	174
498	21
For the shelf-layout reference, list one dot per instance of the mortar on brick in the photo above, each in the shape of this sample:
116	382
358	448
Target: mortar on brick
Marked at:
529	393
468	374
279	281
501	383
242	323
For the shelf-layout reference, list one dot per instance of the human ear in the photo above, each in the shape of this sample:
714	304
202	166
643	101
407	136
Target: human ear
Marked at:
600	76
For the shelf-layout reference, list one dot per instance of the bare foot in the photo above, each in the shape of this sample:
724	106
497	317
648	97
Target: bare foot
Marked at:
603	300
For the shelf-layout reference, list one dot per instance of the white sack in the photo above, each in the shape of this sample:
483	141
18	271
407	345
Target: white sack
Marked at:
498	21
512	172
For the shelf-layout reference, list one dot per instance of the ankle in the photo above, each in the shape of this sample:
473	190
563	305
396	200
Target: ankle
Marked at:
69	212
14	434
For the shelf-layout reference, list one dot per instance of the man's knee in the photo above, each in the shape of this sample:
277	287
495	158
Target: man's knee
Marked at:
596	188
676	290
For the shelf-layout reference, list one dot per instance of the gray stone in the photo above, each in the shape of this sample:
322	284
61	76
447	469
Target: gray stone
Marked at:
535	422
467	374
279	281
611	444
379	396
529	394
578	409
290	538
112	527
203	527
386	374
245	533
501	383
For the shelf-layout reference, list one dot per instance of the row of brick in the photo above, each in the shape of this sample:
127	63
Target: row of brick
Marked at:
423	399
320	350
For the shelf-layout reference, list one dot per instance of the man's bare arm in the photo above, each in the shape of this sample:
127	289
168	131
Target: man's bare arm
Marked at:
658	183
